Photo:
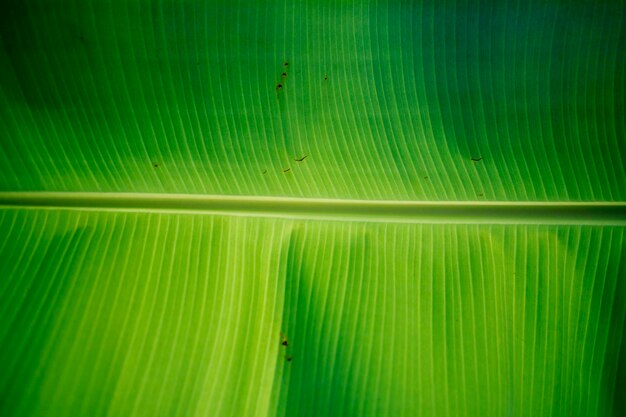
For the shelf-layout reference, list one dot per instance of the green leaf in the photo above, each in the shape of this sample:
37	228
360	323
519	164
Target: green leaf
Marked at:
171	96
317	208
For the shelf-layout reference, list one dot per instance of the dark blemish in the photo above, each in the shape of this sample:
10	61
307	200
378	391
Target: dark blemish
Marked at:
284	74
286	64
283	339
285	343
155	165
425	178
288	358
325	77
279	86
287	170
476	158
265	171
301	159
480	195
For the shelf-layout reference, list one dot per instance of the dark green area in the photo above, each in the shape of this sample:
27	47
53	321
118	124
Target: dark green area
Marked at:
152	313
379	94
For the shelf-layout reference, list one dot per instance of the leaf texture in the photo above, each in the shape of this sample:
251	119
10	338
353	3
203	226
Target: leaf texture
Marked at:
389	100
110	307
170	314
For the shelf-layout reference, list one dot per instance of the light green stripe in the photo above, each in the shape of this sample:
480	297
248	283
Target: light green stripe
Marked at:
449	212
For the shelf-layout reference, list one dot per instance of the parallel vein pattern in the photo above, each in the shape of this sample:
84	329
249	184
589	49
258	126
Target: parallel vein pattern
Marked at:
113	313
187	315
387	99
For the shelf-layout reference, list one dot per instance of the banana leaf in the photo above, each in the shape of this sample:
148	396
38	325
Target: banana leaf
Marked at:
312	208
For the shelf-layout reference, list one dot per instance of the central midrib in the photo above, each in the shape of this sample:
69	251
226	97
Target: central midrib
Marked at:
458	212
